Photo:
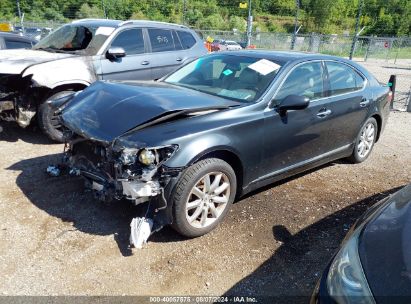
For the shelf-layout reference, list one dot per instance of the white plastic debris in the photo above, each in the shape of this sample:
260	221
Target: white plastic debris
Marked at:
140	231
53	171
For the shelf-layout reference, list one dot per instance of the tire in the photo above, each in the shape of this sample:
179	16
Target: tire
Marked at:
47	118
206	212
365	141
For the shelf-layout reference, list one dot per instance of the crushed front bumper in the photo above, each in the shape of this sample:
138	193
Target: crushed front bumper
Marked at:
17	101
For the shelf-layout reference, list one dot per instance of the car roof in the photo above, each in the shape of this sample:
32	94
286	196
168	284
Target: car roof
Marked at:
119	23
153	23
98	22
283	57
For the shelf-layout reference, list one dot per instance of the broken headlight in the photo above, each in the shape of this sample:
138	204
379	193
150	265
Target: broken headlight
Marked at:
128	156
147	156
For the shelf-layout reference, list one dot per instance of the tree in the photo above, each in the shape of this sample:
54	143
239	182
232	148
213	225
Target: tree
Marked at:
238	23
212	22
87	11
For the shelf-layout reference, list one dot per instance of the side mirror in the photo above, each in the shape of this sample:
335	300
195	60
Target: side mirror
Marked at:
115	53
293	102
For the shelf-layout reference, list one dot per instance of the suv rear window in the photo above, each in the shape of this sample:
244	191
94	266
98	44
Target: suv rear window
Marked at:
15	44
177	43
161	40
187	40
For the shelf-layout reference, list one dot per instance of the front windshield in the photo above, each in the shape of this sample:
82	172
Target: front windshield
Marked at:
74	38
240	78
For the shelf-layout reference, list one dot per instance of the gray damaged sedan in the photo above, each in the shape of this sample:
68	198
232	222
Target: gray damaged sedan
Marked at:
218	128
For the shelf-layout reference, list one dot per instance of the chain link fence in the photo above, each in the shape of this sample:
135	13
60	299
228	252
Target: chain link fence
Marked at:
388	48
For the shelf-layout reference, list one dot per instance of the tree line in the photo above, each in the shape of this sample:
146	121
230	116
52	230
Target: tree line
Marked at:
379	17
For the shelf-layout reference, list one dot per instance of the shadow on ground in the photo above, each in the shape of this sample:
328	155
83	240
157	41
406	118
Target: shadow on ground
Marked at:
63	197
293	270
11	132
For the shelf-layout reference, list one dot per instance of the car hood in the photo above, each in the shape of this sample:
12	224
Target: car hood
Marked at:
106	110
16	61
385	247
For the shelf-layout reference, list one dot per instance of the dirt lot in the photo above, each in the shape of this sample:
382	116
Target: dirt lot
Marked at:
56	240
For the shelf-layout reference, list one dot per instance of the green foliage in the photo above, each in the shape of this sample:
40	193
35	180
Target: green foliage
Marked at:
380	17
212	22
236	22
87	11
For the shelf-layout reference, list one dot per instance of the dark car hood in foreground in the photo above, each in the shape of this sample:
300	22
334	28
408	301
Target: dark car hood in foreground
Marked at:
107	110
385	248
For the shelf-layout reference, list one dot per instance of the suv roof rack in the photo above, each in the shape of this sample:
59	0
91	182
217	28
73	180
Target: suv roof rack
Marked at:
150	21
91	19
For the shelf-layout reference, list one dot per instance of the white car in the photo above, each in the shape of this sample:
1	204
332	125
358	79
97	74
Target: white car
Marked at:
229	45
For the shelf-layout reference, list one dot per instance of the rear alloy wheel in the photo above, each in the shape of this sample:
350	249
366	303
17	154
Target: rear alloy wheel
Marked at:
365	141
48	118
203	197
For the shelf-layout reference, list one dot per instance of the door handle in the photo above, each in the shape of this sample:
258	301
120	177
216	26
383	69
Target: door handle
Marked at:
323	114
145	63
364	103
179	59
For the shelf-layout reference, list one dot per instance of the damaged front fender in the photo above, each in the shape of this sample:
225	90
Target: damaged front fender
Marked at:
65	71
17	99
21	94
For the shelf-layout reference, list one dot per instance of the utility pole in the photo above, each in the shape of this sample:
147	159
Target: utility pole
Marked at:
18	8
249	24
297	8
19	12
184	11
104	9
357	25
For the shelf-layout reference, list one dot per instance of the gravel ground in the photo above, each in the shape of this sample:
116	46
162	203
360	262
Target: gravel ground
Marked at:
57	240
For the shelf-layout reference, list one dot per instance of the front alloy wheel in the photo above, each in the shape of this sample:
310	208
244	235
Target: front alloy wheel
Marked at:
203	196
208	199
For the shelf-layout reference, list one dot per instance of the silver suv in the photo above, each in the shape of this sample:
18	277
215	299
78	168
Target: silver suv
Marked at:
79	53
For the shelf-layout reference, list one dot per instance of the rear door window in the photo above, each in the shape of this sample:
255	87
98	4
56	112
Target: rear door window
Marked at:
343	79
131	41
187	40
161	40
305	80
177	43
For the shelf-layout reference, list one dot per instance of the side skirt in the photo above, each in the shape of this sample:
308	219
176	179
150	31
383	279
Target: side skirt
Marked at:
317	161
